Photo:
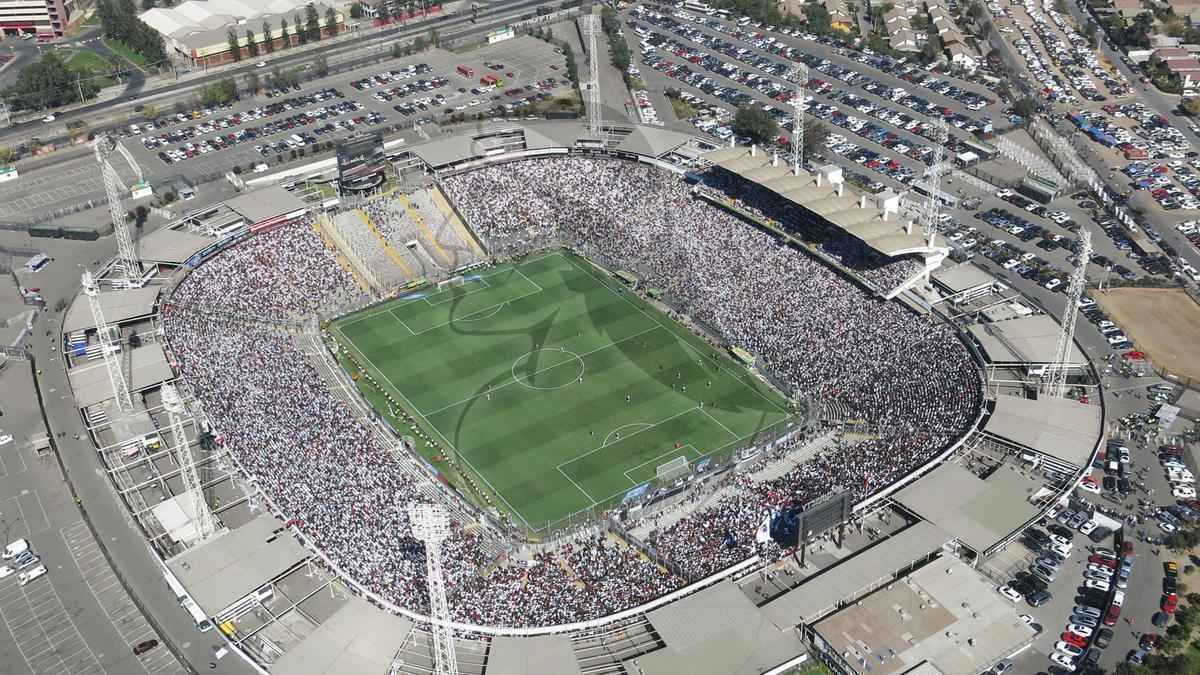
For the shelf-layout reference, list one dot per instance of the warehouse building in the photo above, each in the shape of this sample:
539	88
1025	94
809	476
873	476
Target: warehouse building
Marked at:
198	32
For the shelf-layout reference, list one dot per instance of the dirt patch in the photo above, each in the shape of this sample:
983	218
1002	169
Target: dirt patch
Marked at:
1163	322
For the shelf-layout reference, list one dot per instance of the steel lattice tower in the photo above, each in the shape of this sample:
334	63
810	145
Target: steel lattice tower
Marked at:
431	525
798	75
202	517
933	181
591	29
1054	384
108	346
127	260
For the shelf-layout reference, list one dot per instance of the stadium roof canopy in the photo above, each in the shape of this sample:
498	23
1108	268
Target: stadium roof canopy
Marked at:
147	366
888	235
1025	340
532	656
1059	427
358	638
944	616
171	246
716	631
653	142
264	204
118	306
234	563
446	150
979	512
858	574
962	278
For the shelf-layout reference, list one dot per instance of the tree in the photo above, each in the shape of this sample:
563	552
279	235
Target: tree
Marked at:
312	22
268	39
321	66
1089	32
301	33
220	92
252	83
251	43
1060	6
975	11
234	49
48	83
1191	106
756	124
815	134
331	21
283	34
148	5
356	10
1025	107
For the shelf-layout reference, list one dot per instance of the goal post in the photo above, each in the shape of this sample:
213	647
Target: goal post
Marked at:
457	281
672	469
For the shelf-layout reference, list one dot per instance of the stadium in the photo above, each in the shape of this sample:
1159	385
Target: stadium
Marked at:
625	373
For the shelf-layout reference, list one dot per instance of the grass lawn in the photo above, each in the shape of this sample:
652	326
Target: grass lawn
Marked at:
525	372
682	109
125	52
90	64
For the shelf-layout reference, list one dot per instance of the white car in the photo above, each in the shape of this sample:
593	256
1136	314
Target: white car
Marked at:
5	439
1063	661
1060	540
49	118
1094	489
1080	630
1088	527
5	571
1009	593
1063	551
1067	648
1166	527
1027	619
1097	585
1183	492
1118	598
30	575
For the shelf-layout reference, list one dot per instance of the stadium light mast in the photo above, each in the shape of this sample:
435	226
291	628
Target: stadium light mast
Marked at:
202	517
933	182
127	261
1054	384
798	75
431	525
590	23
108	346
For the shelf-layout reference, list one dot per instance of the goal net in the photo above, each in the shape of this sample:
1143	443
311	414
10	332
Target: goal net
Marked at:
452	282
673	469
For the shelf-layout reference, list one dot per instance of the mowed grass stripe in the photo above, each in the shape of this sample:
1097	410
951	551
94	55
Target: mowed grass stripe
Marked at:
519	437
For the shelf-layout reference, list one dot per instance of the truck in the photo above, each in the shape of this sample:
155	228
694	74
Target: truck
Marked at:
466	71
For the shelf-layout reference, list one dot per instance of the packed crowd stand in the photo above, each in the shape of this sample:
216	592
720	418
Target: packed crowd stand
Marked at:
331	476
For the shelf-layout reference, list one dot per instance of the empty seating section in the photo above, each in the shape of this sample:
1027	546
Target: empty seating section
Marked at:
392	219
368	251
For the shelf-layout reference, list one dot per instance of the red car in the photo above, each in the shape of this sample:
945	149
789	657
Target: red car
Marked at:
1075	640
1149	641
1170	602
1110	617
1101	560
1127	548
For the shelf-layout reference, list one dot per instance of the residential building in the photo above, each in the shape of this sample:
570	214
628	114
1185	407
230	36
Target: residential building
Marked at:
47	19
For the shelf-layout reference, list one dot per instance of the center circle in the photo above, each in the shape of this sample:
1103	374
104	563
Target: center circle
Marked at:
548	368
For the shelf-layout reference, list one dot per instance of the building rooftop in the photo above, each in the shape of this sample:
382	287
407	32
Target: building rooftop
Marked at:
822	592
1058	427
944	617
532	656
978	512
1024	340
118	306
358	638
171	246
962	277
146	367
234	563
266	203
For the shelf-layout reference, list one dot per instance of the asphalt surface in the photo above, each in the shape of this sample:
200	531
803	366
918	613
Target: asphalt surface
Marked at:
62	181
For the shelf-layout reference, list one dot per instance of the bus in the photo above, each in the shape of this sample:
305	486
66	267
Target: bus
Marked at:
176	587
202	623
37	262
466	71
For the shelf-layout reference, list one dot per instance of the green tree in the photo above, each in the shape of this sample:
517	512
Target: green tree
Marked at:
252	83
268	37
815	135
48	83
301	32
331	21
234	49
1191	106
220	92
818	18
321	66
251	44
283	34
312	22
975	11
1025	107
356	10
756	124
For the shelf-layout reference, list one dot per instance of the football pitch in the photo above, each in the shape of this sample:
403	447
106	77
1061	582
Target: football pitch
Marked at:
560	389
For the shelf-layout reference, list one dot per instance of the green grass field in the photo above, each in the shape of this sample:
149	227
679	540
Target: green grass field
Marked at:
525	371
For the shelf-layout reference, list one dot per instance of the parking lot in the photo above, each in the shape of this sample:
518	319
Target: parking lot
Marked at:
45	634
533	64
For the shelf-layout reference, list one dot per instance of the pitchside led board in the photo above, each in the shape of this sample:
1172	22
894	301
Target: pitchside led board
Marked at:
359	157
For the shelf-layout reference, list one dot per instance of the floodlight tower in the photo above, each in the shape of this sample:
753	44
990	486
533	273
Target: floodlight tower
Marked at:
933	181
798	75
1054	384
431	525
202	517
590	24
127	260
108	346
